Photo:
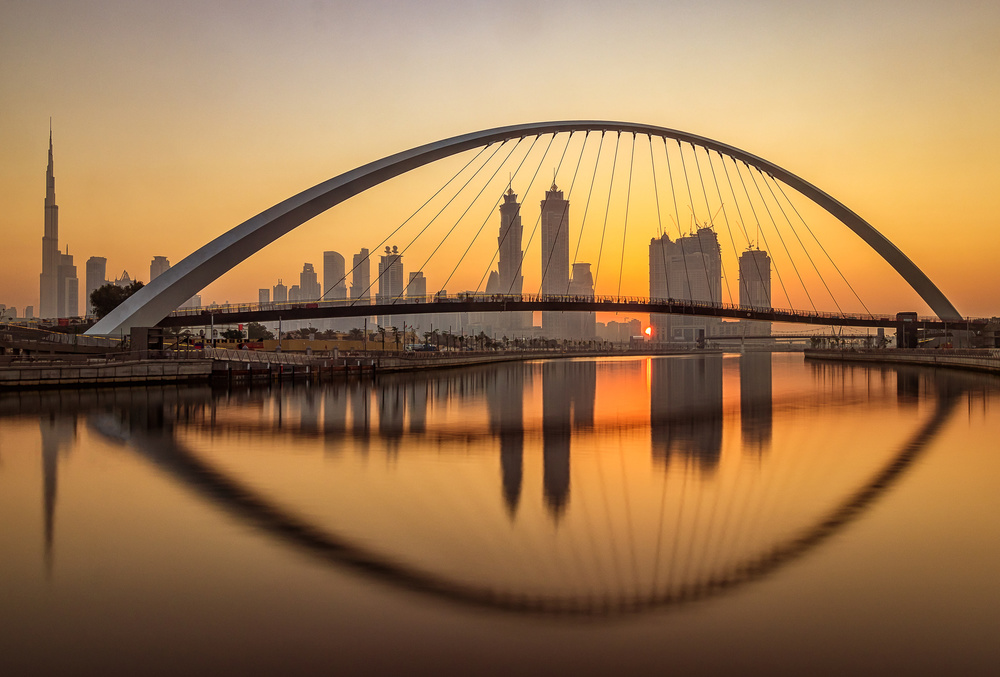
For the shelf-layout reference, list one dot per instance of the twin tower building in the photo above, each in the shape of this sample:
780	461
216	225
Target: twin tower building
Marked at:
555	269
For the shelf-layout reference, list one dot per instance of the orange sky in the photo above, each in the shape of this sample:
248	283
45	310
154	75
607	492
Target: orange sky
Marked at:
175	123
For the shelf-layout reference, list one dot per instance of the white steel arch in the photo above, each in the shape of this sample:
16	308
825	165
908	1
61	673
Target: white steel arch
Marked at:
161	296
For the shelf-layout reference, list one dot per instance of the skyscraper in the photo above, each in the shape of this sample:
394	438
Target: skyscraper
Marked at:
511	280
68	292
390	281
755	287
280	292
334	279
51	256
97	274
158	266
508	278
309	288
361	277
264	295
581	326
555	257
689	269
390	275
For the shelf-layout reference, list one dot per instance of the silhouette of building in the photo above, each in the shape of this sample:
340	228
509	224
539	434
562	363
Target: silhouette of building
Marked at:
361	276
264	295
309	287
508	278
123	280
97	273
334	278
68	298
390	281
755	288
555	257
688	269
158	266
280	292
581	325
51	256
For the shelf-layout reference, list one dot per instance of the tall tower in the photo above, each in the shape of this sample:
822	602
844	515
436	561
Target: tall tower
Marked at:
334	279
390	275
51	257
158	266
390	281
309	289
755	287
509	245
361	277
555	256
689	269
67	287
97	276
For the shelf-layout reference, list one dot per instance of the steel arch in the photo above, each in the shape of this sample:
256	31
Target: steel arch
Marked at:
162	295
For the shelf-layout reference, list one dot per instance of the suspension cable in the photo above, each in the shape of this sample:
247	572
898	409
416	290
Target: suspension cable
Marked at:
490	212
628	200
659	224
801	243
832	262
409	218
760	233
607	208
781	237
711	222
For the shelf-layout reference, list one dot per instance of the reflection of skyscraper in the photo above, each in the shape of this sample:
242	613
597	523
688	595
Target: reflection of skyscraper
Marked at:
505	404
57	433
755	401
556	432
555	257
334	415
685	408
688	269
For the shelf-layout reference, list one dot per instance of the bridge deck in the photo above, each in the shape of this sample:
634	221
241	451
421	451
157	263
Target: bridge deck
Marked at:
470	303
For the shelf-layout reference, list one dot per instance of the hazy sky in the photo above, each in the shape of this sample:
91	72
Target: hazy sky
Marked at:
175	121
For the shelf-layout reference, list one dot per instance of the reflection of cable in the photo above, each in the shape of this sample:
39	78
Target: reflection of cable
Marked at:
245	502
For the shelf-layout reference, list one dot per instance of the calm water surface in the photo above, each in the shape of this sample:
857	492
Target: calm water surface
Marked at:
693	515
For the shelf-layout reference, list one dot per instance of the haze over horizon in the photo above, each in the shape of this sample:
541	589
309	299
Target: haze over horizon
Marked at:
172	124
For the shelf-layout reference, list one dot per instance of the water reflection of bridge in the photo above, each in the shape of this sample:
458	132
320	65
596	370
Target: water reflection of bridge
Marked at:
689	435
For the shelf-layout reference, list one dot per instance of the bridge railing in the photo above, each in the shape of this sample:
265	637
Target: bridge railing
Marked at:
463	297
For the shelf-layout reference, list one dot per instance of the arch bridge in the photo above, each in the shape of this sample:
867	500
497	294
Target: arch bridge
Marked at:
151	305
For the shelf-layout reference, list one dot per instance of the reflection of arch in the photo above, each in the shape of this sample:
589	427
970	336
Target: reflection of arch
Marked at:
245	503
182	281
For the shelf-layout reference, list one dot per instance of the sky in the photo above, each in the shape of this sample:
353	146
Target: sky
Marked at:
174	122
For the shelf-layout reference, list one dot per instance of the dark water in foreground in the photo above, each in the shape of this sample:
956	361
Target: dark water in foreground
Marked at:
684	515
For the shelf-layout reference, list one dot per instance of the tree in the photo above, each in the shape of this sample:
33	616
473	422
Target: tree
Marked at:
232	335
258	332
356	334
108	297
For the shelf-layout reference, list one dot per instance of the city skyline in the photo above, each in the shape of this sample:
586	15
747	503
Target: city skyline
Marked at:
852	126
